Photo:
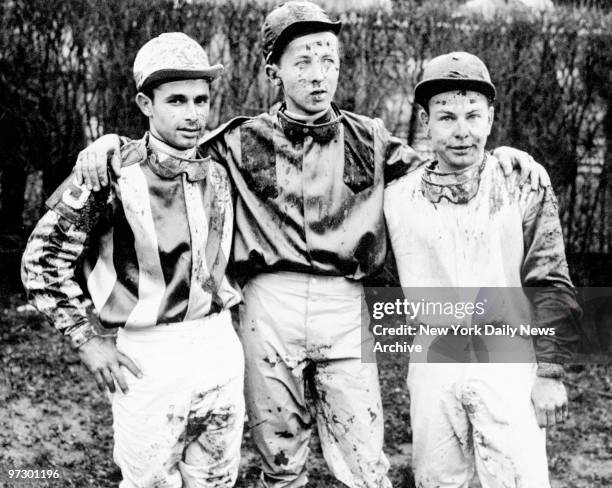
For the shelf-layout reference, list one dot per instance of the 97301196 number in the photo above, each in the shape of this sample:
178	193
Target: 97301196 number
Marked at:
30	474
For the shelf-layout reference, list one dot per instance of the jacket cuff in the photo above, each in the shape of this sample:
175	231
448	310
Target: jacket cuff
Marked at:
550	370
82	334
88	328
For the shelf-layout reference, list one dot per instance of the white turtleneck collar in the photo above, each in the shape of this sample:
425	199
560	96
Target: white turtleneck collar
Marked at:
164	150
306	119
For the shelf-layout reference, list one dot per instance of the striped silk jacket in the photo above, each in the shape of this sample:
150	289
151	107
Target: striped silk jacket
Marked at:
150	249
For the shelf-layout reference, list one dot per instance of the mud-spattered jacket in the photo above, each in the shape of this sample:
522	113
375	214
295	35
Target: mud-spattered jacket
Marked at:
309	197
478	228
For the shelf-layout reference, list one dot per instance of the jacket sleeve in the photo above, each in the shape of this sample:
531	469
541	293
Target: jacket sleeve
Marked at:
399	157
546	277
51	261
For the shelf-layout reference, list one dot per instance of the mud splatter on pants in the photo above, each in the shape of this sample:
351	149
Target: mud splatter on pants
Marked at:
304	331
476	417
181	424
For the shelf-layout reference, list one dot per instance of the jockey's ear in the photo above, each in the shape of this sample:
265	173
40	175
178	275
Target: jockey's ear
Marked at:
145	104
424	116
272	74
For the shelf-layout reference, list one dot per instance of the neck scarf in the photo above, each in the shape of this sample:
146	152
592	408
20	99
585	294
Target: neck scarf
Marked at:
457	186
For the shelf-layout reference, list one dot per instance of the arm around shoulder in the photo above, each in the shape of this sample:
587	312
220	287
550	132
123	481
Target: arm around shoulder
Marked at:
510	158
399	157
92	165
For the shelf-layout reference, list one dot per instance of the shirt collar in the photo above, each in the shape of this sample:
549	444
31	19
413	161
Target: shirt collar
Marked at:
322	130
168	162
457	186
164	150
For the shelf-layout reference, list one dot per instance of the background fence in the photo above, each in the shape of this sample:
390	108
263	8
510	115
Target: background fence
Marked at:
65	77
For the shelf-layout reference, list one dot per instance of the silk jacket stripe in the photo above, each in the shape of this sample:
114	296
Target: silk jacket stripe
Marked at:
134	190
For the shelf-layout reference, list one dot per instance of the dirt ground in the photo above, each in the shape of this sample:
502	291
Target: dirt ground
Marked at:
53	417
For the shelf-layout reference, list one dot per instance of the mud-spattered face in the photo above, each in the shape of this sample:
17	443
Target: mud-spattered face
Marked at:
309	69
178	112
459	124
